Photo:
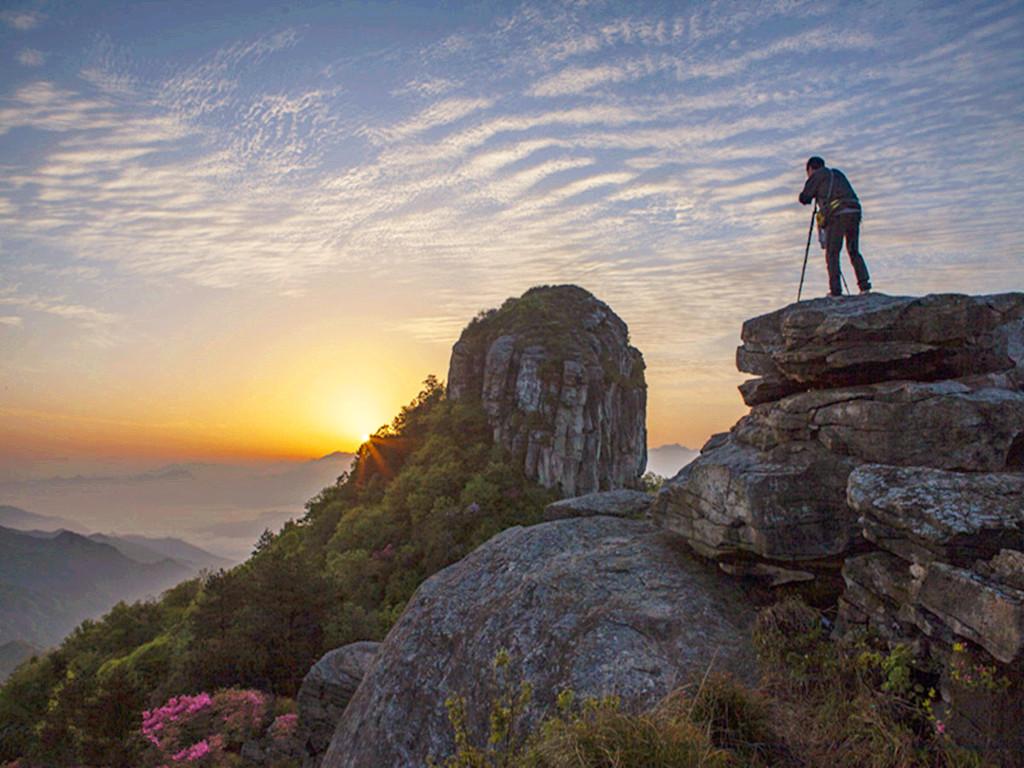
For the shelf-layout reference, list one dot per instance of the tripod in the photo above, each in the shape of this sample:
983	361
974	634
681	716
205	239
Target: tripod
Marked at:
807	250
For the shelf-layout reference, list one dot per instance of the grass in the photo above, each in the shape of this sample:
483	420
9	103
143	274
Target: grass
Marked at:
821	704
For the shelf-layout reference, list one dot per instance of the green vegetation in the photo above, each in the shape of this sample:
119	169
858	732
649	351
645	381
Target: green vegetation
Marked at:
422	493
550	316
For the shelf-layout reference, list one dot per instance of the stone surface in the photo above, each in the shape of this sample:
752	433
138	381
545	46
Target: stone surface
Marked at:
824	344
623	503
1007	568
600	605
945	424
563	389
975	608
953	569
881	591
789	505
925	514
775	485
325	692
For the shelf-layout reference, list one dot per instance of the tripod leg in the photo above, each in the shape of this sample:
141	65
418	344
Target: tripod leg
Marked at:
807	250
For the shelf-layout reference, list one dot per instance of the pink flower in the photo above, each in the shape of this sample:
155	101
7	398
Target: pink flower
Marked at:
194	752
940	727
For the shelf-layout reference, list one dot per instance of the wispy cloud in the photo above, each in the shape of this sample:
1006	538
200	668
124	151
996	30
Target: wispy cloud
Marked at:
436	115
30	57
21	20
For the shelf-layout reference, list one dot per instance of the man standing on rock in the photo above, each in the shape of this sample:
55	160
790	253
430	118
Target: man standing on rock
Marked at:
840	213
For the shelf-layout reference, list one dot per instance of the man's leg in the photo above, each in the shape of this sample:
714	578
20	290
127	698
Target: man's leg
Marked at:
833	245
851	223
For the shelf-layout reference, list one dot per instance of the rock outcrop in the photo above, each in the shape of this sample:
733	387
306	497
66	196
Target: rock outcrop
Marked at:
599	604
325	692
948	581
886	436
865	385
623	503
561	386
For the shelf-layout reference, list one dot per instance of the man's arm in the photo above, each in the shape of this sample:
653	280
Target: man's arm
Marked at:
809	189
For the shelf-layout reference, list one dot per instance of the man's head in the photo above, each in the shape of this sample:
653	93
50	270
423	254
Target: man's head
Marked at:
814	164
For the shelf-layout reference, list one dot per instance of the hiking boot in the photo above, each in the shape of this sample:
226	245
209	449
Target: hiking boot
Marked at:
865	291
833	296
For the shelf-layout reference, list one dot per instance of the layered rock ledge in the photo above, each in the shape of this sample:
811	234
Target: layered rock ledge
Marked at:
952	564
774	487
820	344
561	386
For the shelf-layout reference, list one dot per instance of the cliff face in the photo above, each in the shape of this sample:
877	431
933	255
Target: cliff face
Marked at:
561	386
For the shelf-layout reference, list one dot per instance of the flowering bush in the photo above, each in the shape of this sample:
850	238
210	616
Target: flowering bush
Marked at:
203	730
163	723
283	727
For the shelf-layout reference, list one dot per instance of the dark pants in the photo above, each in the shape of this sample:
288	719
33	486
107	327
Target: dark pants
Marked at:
845	225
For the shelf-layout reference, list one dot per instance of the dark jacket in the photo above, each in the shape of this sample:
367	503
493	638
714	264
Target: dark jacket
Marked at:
817	188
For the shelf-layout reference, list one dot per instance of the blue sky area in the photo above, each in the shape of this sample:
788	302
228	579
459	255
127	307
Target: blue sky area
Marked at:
186	189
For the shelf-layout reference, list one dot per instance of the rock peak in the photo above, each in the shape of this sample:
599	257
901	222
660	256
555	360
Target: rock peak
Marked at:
561	386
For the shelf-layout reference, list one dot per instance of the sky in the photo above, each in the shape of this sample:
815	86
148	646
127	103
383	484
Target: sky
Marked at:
249	230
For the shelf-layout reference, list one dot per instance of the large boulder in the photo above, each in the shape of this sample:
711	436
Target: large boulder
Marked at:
736	500
599	605
823	343
326	691
562	388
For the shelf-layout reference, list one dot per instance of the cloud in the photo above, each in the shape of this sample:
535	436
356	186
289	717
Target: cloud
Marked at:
436	115
21	20
99	325
30	57
427	87
13	321
685	134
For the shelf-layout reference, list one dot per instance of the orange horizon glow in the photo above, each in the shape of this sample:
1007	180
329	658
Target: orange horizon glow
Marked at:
285	426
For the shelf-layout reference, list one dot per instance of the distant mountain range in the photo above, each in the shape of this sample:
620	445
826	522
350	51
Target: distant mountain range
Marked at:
667	460
51	580
222	506
23	520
